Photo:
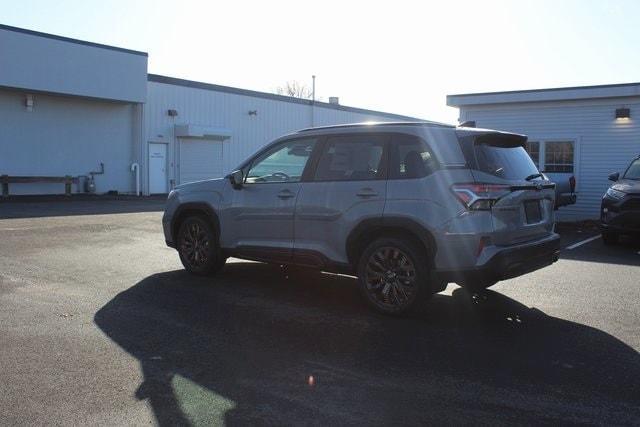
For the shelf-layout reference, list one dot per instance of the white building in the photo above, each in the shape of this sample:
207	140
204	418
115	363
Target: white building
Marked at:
71	107
587	131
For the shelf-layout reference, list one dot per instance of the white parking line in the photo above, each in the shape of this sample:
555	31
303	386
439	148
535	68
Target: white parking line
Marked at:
583	242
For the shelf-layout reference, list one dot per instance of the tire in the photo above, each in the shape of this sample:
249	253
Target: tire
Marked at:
393	275
610	238
198	247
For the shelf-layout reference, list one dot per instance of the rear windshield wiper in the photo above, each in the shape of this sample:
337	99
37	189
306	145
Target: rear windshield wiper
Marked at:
533	176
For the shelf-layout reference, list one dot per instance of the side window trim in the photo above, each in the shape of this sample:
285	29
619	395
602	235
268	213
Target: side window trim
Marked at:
314	161
312	165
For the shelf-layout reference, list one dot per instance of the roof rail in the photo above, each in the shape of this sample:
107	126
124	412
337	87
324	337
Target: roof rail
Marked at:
378	124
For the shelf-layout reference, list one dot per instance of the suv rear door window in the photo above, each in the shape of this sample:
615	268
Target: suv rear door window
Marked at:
351	158
410	157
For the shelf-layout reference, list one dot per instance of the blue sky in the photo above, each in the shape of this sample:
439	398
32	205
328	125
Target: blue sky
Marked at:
401	56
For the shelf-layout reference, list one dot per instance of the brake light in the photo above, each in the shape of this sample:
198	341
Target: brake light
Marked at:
572	183
478	196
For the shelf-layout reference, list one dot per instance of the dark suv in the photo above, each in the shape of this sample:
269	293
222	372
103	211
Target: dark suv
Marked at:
407	207
620	209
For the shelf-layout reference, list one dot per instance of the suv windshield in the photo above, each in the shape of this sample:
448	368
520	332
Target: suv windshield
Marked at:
633	172
501	157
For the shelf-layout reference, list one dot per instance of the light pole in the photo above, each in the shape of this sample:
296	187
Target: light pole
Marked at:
313	98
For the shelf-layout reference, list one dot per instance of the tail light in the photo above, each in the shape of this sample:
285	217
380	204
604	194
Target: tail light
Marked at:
479	196
572	183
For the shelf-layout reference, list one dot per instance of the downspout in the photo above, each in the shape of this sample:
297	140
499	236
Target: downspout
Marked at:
144	157
135	167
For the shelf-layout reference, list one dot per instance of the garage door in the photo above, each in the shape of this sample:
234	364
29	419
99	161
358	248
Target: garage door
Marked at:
200	159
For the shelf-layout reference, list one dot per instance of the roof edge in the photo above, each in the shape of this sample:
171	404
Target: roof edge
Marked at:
157	78
70	40
616	90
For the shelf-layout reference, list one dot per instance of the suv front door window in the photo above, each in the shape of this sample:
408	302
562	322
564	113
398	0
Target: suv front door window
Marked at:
285	163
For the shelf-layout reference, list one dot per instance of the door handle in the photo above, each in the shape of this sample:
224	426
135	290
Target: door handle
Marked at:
366	192
285	194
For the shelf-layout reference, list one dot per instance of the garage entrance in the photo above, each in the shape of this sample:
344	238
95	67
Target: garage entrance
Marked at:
200	159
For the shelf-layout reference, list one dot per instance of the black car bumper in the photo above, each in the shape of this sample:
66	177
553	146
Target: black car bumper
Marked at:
620	216
508	263
622	227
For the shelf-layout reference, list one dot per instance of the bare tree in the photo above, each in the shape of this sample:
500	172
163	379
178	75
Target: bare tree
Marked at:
295	89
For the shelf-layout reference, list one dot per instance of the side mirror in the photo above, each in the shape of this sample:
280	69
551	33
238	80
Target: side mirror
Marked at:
614	176
236	178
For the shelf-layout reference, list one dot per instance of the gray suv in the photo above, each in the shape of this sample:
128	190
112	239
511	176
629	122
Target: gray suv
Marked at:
406	207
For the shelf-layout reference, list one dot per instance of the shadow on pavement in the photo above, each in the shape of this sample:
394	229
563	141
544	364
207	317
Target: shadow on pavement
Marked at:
39	208
626	252
241	347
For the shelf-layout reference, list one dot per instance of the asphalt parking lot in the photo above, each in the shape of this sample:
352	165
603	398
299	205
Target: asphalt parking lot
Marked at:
99	324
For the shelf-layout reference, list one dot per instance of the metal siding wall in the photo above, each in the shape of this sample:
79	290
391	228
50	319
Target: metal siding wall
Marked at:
44	64
604	145
221	109
66	136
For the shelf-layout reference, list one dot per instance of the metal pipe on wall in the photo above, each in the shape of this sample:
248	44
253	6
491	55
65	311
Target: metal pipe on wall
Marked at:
136	168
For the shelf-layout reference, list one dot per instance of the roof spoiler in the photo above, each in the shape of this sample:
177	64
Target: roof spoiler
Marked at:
467	124
500	139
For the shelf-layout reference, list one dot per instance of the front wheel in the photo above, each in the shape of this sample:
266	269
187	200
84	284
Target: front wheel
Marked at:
393	275
198	247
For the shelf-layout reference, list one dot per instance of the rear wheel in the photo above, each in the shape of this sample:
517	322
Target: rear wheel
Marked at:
393	275
610	238
198	247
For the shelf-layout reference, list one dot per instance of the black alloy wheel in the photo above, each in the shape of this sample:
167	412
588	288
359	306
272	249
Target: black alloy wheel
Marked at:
198	247
393	275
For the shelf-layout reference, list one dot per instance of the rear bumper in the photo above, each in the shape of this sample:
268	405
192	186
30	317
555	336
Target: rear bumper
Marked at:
509	262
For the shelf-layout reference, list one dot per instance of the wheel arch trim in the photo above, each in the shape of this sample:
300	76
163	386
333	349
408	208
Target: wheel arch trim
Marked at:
200	207
373	225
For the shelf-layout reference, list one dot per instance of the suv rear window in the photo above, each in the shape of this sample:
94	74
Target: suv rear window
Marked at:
499	157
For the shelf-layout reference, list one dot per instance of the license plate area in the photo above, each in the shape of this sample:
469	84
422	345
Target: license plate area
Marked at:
532	211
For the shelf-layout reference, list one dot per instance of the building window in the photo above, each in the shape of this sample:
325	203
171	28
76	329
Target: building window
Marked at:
533	148
558	156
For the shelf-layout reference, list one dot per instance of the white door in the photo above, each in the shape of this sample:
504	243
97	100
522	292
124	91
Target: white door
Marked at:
200	159
157	168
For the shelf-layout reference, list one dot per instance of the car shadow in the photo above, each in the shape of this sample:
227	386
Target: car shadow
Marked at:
262	344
